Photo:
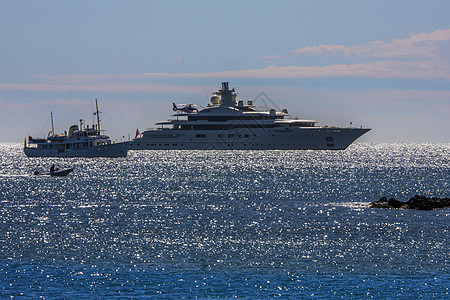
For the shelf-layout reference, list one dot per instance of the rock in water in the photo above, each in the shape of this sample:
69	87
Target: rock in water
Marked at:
417	202
395	203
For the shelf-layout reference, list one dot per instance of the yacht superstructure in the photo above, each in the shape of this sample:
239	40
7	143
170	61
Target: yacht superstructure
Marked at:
229	124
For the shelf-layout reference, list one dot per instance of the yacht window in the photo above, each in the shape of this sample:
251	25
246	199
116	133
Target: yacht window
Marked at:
330	141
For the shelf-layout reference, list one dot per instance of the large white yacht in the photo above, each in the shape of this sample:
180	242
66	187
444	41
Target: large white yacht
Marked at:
83	141
229	124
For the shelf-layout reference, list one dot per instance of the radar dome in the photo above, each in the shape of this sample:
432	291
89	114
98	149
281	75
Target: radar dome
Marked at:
215	100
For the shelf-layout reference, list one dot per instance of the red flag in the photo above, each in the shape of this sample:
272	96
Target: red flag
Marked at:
137	133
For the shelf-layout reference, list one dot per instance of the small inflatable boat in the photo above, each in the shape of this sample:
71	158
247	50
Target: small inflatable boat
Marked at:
55	173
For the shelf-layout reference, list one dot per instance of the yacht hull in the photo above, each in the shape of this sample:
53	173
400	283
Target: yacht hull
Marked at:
110	150
283	138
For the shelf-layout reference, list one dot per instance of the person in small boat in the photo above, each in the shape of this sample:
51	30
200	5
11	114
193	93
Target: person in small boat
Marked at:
53	169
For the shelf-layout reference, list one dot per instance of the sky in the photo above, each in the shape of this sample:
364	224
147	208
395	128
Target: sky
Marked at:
384	65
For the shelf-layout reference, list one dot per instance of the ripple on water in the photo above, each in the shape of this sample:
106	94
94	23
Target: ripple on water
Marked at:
226	223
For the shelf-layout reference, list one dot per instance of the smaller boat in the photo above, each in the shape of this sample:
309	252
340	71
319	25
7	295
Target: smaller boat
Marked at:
82	141
57	172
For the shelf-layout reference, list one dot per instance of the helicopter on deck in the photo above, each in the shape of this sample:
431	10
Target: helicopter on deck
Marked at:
188	108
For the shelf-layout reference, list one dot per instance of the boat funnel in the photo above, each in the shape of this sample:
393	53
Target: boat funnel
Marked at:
72	129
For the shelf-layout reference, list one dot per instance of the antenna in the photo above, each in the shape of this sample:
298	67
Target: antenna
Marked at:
51	116
206	95
98	116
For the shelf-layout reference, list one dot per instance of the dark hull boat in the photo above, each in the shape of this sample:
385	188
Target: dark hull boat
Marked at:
58	173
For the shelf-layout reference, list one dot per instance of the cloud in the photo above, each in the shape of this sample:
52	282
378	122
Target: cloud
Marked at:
271	57
427	69
426	53
379	69
436	97
422	45
101	87
66	104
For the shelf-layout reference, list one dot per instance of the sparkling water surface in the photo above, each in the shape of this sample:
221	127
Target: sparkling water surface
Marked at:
222	224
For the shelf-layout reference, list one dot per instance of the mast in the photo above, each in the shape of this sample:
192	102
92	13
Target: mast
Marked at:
51	117
98	117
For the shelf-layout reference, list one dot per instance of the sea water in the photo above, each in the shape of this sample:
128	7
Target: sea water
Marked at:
223	224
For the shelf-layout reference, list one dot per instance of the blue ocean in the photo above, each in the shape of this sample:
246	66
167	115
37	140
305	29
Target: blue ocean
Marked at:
226	224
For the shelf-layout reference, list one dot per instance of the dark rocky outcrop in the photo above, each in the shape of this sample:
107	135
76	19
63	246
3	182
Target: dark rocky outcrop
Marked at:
416	202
